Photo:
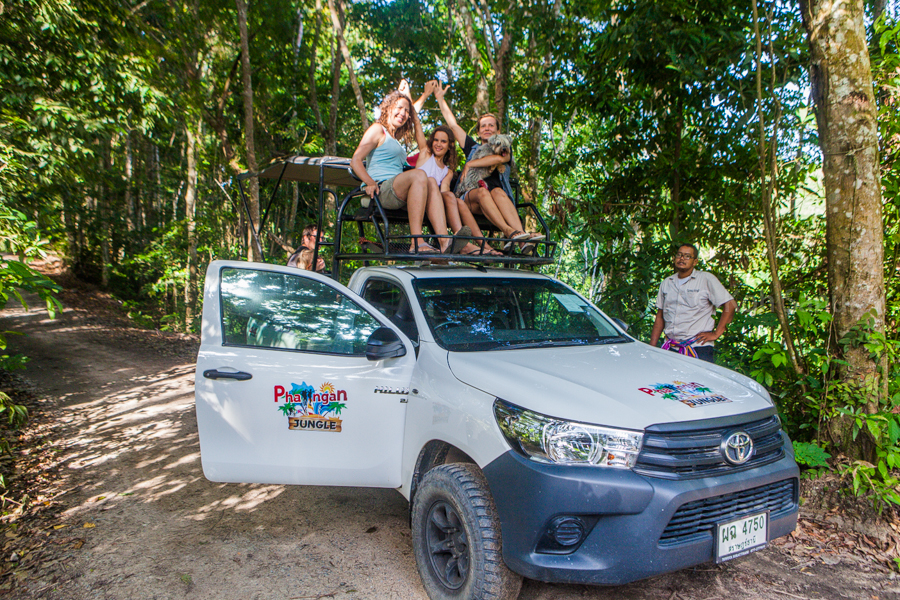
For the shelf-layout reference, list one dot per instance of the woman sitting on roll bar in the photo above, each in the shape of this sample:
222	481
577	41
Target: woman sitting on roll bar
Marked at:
385	176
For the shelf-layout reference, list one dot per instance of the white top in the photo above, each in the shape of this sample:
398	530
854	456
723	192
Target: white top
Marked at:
432	170
688	304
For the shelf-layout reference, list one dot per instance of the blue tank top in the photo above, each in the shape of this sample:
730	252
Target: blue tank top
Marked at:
387	160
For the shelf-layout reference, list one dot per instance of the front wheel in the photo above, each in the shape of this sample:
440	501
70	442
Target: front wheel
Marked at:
456	537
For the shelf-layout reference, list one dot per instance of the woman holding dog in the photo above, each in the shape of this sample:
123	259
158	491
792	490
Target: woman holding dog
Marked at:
386	158
493	201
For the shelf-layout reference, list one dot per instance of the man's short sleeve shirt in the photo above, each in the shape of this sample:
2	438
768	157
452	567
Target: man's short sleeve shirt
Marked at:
688	308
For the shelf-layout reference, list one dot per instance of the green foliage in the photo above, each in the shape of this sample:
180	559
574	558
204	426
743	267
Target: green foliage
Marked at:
810	454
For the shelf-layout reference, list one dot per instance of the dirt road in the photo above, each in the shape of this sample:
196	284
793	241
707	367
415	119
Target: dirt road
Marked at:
151	526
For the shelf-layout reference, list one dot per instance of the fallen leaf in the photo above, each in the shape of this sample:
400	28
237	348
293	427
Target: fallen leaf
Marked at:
59	526
99	498
89	525
77	544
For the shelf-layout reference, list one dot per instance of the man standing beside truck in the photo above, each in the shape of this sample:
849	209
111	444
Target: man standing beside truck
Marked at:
685	306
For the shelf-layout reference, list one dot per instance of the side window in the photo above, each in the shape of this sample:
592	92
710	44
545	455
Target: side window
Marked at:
392	302
277	310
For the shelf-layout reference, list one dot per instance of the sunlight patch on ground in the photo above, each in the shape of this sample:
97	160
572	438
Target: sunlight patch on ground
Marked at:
250	500
188	458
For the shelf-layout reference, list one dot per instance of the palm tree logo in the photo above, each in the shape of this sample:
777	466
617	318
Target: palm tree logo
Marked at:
288	409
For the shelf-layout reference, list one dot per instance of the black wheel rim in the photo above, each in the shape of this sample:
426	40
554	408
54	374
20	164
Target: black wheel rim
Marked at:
448	547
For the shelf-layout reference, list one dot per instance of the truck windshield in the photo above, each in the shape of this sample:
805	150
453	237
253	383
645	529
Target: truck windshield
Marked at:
510	313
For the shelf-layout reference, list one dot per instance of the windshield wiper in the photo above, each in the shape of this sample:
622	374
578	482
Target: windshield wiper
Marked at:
537	344
615	339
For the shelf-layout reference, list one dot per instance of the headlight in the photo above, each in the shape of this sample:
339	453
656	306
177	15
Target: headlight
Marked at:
548	440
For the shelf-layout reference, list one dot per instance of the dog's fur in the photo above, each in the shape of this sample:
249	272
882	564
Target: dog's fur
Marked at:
497	144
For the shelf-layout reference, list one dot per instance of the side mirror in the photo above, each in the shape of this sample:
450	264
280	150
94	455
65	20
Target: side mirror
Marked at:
384	343
621	324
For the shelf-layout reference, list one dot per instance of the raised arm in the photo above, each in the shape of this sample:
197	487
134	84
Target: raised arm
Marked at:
371	139
449	119
430	86
417	105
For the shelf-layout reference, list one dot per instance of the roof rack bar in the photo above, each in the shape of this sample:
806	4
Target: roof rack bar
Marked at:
262	222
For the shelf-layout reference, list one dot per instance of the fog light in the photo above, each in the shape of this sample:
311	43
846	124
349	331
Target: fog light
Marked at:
565	534
567	531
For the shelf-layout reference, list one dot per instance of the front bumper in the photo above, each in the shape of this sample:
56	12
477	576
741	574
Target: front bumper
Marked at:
626	514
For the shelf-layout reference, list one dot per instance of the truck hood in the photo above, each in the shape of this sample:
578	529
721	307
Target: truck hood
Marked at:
629	385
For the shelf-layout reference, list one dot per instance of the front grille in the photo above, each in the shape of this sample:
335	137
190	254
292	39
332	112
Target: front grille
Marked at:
695	453
697	520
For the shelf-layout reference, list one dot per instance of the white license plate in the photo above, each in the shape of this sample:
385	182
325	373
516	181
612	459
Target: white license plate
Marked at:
741	536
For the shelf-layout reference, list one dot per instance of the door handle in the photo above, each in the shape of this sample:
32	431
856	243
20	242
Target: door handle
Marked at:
215	374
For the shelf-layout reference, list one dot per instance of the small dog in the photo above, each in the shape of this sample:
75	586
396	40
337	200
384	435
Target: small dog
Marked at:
497	144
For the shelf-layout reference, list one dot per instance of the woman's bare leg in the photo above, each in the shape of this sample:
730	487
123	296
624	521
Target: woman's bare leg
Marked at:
507	209
453	212
481	201
412	186
436	213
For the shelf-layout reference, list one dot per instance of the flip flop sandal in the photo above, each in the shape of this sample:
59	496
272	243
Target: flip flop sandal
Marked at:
425	249
528	248
483	252
536	236
514	237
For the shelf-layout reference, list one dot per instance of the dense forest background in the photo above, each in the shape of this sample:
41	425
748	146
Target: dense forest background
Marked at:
637	126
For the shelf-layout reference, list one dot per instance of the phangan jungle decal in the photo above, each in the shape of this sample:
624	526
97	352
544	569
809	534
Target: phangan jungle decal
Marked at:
689	394
311	410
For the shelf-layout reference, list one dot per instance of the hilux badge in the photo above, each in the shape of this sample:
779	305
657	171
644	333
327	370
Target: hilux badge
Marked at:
737	448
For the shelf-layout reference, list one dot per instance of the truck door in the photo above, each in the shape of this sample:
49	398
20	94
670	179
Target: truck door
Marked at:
284	392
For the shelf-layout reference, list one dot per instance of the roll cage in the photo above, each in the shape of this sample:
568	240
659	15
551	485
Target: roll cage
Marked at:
374	221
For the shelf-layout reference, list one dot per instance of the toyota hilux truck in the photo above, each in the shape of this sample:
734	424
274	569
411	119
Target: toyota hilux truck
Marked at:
531	435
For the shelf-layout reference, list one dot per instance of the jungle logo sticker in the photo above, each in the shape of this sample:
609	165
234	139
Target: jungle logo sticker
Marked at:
689	394
310	410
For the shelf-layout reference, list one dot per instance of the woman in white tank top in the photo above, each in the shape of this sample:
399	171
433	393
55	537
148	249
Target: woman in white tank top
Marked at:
437	158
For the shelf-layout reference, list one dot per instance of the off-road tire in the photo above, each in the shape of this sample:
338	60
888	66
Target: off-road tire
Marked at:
456	537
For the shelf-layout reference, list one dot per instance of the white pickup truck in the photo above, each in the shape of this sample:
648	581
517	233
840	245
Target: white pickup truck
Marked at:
530	433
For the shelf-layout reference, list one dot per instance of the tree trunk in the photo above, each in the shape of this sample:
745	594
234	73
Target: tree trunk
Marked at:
336	7
767	190
254	252
675	227
103	205
467	23
313	92
503	63
841	80
190	202
217	121
330	134
129	192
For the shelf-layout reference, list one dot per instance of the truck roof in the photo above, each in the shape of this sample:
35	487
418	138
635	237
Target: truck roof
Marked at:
408	273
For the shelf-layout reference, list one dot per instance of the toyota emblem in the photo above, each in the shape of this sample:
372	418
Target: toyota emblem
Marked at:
737	448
